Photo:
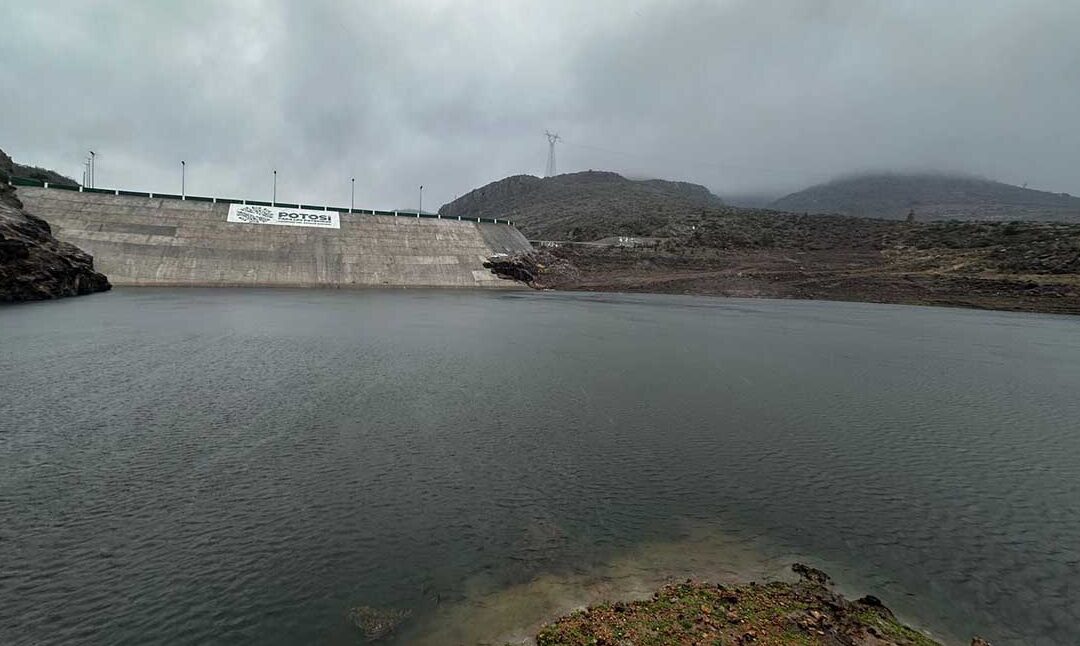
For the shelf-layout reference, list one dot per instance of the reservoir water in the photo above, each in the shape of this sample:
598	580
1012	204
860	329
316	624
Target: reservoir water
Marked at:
244	466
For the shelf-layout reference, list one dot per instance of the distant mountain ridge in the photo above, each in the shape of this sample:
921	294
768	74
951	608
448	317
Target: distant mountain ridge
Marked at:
932	197
584	206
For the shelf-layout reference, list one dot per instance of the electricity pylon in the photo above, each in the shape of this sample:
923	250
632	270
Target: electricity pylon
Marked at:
552	138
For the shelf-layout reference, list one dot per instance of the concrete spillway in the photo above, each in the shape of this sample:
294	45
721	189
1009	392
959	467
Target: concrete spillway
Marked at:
155	241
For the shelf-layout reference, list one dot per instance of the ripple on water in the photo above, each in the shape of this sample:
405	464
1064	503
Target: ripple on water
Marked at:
211	466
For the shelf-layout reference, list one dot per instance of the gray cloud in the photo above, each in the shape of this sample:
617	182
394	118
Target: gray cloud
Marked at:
741	95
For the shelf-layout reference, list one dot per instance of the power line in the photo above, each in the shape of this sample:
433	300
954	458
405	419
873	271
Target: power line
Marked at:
552	139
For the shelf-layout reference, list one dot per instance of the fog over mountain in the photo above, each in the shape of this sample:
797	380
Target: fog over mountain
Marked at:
931	197
742	96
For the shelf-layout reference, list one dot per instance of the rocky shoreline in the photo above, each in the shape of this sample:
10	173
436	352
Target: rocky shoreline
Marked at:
858	275
754	253
807	613
34	265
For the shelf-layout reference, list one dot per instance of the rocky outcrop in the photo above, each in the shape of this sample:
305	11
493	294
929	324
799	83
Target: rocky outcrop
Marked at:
537	269
33	264
807	612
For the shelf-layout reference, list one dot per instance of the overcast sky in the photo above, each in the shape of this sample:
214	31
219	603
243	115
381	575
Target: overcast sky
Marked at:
739	95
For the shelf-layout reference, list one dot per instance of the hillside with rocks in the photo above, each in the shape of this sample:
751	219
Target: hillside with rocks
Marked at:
931	197
16	169
1028	266
586	206
33	264
700	248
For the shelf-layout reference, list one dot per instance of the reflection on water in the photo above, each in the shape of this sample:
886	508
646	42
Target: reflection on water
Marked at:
222	466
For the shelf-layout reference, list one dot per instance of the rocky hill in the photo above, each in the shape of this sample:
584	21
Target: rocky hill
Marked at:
33	264
585	206
931	197
33	172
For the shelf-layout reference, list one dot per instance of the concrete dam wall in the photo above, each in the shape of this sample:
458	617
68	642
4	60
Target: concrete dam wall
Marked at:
137	240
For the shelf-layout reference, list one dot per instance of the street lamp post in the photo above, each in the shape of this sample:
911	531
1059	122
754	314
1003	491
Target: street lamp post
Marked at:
92	155
183	180
273	200
420	209
352	195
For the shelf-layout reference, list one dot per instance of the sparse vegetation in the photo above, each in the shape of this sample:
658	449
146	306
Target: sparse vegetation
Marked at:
9	168
585	206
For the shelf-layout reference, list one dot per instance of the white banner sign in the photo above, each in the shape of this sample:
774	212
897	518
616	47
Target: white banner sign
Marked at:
254	214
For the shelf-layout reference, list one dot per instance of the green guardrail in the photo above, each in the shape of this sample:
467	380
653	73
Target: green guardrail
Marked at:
29	181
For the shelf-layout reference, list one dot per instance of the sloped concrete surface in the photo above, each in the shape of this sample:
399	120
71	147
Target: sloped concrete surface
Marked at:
152	241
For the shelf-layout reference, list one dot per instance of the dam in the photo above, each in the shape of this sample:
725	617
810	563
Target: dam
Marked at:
151	239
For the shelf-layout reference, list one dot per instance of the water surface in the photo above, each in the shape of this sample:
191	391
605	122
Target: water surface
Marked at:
237	466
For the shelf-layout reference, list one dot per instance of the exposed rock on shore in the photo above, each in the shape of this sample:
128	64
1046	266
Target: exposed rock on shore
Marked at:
607	233
1021	266
33	264
807	613
537	269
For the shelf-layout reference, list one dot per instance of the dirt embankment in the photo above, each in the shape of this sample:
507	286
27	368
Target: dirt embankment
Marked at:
1022	266
807	613
33	264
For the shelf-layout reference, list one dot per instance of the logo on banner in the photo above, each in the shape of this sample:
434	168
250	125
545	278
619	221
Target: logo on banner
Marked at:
254	214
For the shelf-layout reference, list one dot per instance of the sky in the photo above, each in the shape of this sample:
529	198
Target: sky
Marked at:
743	96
